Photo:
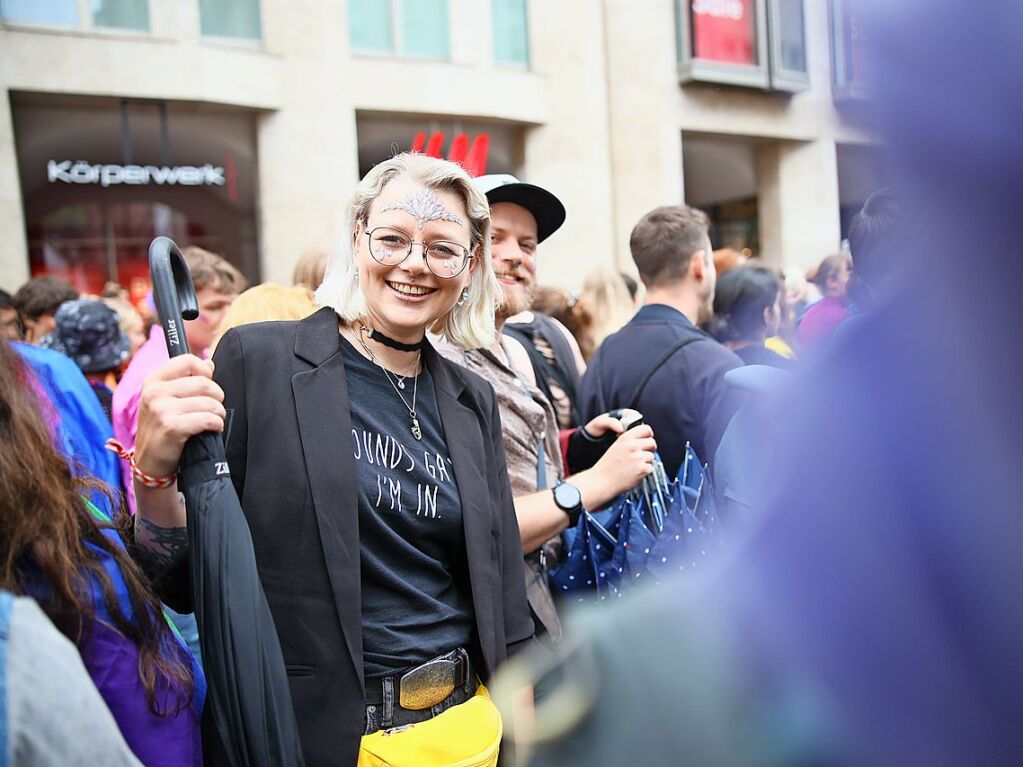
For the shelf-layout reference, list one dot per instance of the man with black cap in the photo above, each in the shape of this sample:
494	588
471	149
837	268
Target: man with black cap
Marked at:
523	216
545	504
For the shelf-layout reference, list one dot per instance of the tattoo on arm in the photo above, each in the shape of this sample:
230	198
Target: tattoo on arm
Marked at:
162	546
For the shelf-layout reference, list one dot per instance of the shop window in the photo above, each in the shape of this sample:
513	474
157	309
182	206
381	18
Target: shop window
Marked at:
56	13
121	14
101	178
722	41
511	32
414	28
237	19
751	43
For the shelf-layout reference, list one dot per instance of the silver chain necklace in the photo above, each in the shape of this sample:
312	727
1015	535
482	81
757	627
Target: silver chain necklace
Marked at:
417	431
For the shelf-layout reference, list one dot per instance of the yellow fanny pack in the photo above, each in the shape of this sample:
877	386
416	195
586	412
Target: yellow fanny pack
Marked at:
468	735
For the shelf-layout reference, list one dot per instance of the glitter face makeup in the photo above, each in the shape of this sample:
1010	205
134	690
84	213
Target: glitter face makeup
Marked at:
424	206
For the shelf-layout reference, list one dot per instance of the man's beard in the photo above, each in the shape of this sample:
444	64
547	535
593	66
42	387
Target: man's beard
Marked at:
519	300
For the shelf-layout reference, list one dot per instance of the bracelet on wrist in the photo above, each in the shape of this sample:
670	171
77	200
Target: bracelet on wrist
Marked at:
147	480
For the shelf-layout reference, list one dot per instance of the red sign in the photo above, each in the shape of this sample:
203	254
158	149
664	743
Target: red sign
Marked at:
725	31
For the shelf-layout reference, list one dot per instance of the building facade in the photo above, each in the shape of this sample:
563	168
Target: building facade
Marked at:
242	126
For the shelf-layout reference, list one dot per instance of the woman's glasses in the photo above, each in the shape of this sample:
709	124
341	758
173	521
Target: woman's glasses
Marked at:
391	246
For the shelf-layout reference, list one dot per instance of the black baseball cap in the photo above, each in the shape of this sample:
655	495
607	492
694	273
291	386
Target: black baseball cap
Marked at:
545	207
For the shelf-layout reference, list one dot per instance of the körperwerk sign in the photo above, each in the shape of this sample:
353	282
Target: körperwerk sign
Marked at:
82	172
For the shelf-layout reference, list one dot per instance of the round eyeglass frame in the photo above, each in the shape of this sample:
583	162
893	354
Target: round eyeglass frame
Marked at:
468	255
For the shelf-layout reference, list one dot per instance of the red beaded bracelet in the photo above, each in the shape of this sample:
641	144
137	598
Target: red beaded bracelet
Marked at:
147	480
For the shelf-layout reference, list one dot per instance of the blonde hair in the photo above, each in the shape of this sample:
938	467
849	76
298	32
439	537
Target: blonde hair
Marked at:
310	268
469	325
607	298
268	301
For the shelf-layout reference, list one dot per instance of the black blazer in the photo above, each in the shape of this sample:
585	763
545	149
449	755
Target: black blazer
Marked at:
291	456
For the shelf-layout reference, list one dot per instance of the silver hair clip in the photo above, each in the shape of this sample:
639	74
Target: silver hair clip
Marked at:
424	206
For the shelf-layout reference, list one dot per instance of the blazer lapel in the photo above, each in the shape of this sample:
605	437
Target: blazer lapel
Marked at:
325	425
467	451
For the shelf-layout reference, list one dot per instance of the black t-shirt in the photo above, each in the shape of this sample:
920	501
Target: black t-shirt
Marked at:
415	593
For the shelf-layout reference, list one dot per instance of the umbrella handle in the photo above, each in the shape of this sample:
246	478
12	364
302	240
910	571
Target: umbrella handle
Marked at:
173	293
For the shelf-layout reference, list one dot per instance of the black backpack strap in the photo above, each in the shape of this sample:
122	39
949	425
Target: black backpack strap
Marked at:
564	370
638	391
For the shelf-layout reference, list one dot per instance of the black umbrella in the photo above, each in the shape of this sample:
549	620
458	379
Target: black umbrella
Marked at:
248	700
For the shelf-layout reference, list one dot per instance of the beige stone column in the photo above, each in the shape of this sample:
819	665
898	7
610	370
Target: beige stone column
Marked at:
645	139
13	247
307	149
798	206
569	153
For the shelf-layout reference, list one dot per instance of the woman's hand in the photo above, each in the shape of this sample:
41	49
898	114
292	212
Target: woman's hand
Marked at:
178	401
629	459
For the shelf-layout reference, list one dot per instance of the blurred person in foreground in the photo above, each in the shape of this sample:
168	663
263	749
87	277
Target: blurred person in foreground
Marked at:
372	476
10	322
69	554
822	319
89	332
53	714
217	283
747	311
265	302
37	302
873	616
685	398
524	216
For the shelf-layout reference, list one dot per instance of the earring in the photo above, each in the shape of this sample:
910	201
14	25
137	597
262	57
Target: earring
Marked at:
464	297
356	276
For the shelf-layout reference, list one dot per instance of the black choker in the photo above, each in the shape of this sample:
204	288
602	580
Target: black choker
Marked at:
379	337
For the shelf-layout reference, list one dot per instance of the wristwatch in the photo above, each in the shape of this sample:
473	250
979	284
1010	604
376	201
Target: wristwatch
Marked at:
568	498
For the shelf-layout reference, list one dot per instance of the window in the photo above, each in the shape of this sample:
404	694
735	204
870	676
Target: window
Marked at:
847	51
96	14
722	41
753	43
789	71
57	13
511	32
237	19
414	28
121	14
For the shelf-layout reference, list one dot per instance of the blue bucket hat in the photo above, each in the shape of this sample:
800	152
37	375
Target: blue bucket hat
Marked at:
88	331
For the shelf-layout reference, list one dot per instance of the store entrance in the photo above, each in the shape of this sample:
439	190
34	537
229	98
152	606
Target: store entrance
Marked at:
101	178
720	178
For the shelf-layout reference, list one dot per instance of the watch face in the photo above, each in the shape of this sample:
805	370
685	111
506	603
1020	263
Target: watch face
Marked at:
567	496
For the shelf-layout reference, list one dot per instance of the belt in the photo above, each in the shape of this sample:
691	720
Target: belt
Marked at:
421	693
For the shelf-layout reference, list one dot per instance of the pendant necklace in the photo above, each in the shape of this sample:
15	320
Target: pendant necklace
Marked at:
417	431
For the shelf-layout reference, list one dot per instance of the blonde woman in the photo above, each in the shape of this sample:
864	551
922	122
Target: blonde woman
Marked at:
607	299
265	302
372	474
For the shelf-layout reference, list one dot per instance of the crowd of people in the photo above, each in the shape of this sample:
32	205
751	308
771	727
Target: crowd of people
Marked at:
412	426
408	445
